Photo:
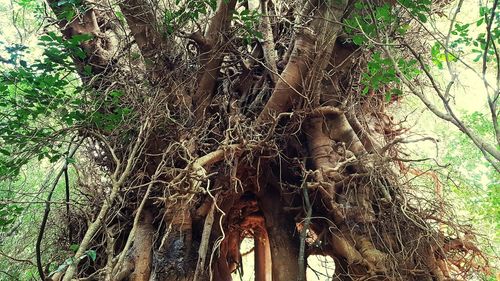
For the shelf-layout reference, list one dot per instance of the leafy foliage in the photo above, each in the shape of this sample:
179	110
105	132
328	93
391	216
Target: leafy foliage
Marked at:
69	8
188	12
366	27
8	214
419	9
475	184
38	102
247	21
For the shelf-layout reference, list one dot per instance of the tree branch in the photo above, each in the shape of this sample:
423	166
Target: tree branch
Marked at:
71	152
142	23
97	57
211	59
268	43
483	145
288	90
107	204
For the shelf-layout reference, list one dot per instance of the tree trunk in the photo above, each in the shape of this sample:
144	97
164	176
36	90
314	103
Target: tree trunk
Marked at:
283	236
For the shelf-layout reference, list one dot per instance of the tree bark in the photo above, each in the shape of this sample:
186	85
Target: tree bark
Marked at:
283	236
143	246
263	260
212	54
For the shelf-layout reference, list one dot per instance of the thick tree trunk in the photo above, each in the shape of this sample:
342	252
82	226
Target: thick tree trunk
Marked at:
283	235
143	247
172	260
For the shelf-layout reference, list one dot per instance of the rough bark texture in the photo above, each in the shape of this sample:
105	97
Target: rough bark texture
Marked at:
283	236
143	246
211	57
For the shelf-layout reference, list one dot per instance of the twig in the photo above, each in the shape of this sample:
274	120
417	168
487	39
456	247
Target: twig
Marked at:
66	181
205	239
16	259
45	217
117	183
303	233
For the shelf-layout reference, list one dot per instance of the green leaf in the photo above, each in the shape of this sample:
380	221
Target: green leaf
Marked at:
422	18
384	12
359	5
388	96
80	38
87	70
69	14
91	254
46	38
74	247
483	10
5	152
358	39
119	15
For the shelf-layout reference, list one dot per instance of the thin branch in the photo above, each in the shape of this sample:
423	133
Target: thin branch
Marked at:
483	145
66	181
107	204
303	232
488	36
132	233
492	101
447	40
205	238
71	152
268	44
17	259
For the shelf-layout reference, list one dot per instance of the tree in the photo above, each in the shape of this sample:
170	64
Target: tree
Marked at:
202	122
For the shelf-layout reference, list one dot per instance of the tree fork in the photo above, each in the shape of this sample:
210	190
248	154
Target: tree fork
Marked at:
211	57
289	89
